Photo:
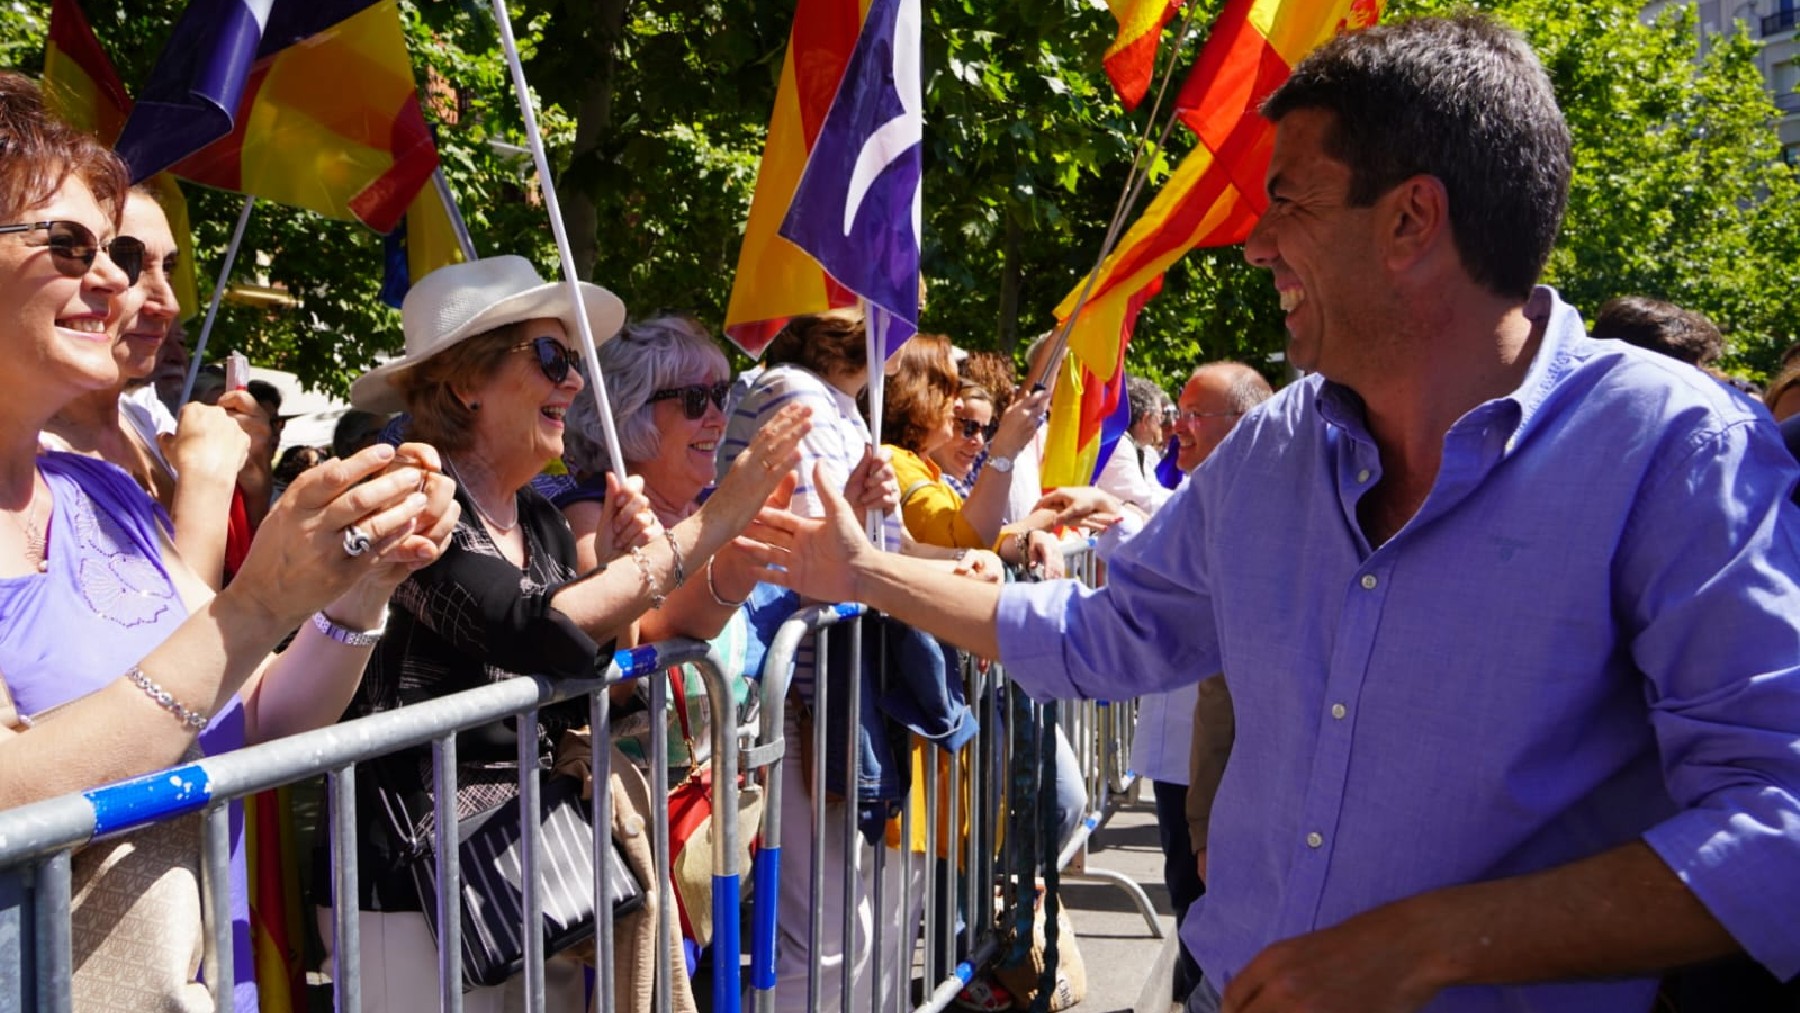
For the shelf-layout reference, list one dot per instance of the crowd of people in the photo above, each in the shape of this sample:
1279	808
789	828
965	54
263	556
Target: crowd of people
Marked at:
1497	623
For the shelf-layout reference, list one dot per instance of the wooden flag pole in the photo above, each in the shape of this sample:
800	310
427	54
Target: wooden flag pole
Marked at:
218	293
596	382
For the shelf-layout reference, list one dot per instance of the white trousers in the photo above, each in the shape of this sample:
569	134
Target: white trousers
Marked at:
793	957
400	972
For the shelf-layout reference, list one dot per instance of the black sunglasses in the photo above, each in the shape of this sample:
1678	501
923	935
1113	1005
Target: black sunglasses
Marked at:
971	428
695	395
72	248
553	357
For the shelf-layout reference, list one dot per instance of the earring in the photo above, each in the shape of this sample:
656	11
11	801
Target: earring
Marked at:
474	406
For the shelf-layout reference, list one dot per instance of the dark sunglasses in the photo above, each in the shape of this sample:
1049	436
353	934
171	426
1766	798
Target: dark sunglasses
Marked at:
72	248
969	428
553	357
695	395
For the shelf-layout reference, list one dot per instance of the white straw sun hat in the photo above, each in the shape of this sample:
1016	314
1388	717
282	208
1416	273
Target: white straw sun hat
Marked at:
460	301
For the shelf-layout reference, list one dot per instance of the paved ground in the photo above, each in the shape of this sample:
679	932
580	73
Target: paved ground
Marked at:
1127	966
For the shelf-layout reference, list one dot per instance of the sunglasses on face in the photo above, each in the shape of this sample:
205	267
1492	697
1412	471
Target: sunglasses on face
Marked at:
72	248
695	395
553	357
969	428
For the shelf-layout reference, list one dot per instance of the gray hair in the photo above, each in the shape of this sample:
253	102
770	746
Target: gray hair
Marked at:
1144	396
646	357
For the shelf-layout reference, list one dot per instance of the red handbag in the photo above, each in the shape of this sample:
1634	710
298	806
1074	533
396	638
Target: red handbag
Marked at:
690	832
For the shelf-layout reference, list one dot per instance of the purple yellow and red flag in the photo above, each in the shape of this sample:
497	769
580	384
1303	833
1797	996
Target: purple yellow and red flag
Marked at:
775	279
857	208
1130	61
84	89
310	103
1214	196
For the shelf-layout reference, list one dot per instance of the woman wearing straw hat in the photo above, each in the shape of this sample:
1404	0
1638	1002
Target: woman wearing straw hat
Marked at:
488	374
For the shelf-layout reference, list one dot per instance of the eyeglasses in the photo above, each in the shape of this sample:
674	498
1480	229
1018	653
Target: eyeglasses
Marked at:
1191	415
73	246
695	395
969	428
553	357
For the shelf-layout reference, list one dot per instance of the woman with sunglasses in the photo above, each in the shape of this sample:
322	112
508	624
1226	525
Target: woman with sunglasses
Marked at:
193	474
115	657
488	377
921	419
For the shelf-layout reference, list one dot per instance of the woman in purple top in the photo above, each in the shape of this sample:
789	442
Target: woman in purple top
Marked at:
113	653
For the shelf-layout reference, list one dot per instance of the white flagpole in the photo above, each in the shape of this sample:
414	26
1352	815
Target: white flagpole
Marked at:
596	383
212	310
875	328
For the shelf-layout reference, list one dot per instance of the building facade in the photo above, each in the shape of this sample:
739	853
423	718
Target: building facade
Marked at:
1773	24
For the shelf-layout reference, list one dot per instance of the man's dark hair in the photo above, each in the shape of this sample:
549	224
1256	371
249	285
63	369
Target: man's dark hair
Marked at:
1661	327
266	394
1462	99
355	430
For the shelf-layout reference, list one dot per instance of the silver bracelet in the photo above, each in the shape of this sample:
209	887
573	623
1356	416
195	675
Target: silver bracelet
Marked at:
650	582
713	588
675	550
165	699
347	636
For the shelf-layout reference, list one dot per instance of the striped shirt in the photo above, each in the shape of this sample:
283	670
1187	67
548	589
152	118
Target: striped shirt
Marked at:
838	438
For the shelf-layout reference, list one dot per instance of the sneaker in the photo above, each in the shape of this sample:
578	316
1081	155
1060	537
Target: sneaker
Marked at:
984	995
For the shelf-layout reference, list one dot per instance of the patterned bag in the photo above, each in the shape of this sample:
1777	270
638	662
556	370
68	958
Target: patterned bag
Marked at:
691	835
135	928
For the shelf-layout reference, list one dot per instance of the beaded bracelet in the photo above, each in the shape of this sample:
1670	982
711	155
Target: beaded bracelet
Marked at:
656	592
165	699
723	601
345	635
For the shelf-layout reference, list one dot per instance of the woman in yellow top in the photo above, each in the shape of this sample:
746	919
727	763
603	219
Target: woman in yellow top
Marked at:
926	419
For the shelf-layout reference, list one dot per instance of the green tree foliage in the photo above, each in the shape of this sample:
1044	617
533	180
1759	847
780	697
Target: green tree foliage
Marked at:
655	113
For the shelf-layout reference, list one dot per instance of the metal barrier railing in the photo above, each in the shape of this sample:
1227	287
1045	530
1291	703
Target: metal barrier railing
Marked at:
36	840
890	909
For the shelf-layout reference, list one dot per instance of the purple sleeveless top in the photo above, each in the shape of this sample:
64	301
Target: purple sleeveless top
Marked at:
104	601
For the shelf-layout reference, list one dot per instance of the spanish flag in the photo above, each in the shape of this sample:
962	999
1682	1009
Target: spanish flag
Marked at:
1213	198
85	91
1131	60
775	279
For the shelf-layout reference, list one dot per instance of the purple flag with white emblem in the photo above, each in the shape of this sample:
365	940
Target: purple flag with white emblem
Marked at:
856	210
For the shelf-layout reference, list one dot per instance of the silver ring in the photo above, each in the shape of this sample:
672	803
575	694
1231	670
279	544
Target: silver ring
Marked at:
356	541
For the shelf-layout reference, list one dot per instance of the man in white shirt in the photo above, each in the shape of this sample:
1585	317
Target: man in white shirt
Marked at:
1130	473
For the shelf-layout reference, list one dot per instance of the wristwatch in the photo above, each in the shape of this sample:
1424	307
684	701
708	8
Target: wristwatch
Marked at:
1003	465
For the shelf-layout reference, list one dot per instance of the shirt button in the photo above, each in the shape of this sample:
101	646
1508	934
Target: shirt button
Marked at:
1338	711
1369	582
1315	840
1363	475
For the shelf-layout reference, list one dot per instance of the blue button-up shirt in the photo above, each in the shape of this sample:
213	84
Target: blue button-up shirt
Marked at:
1588	634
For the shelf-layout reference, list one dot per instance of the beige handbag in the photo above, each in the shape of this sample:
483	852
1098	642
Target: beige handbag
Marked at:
134	916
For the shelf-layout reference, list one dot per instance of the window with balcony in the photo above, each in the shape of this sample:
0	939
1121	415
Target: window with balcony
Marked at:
1782	20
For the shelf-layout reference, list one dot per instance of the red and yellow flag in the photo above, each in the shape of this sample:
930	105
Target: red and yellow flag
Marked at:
83	89
775	280
1131	60
1213	198
331	124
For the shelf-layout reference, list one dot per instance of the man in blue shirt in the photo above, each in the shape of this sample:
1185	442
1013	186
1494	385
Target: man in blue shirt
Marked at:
1509	616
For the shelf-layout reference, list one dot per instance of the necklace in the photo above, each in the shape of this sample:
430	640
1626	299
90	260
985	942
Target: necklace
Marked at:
36	549
482	511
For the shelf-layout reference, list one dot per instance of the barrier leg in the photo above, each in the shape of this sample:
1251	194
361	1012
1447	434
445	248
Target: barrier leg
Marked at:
346	946
448	856
215	862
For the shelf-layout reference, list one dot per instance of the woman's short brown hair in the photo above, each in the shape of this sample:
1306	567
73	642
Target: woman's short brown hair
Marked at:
822	343
993	371
920	392
440	417
39	151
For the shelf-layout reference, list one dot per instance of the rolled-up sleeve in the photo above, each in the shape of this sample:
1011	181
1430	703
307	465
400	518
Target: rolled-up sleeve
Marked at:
1716	609
1149	629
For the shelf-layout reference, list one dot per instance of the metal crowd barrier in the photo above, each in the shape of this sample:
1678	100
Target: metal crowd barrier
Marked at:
975	865
36	840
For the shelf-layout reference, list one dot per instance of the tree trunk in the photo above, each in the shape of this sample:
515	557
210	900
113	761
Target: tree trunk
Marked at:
593	123
1008	336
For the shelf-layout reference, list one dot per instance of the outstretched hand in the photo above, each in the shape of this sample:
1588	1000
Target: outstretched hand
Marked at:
1082	504
756	473
815	556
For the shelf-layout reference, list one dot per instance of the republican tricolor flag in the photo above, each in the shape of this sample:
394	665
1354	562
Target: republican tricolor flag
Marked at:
1213	198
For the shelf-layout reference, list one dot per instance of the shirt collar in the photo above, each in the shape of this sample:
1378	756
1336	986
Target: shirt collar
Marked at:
1555	358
